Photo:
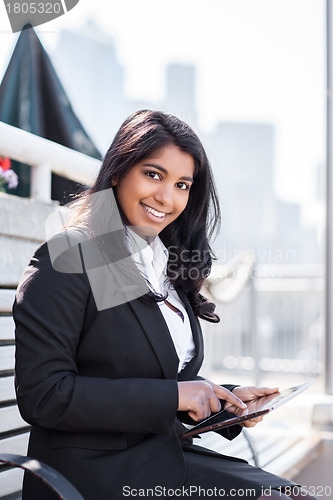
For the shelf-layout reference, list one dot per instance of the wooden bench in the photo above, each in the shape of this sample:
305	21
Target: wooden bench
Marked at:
14	432
278	450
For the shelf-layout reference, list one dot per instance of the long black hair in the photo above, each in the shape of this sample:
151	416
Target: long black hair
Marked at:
187	238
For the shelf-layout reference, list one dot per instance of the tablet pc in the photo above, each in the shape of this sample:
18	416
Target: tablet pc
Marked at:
256	407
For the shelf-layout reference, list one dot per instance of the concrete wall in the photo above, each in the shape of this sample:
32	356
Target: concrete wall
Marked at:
21	231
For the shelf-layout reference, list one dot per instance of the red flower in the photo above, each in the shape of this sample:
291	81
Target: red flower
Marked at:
5	163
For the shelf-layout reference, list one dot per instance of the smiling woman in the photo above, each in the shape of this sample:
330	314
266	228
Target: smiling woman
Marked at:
162	181
107	387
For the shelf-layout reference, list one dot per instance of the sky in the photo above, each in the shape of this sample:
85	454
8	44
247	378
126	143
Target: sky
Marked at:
257	61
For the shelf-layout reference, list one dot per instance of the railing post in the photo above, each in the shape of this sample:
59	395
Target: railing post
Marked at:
43	156
41	177
329	209
255	344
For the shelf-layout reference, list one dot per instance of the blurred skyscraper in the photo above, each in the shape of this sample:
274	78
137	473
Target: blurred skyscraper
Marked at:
243	163
86	60
242	154
181	91
252	216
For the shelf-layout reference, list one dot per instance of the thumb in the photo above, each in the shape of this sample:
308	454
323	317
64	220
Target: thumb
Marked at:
264	391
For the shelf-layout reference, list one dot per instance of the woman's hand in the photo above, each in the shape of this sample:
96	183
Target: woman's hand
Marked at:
201	397
250	393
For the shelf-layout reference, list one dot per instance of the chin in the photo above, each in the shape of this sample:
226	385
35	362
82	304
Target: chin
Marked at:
146	231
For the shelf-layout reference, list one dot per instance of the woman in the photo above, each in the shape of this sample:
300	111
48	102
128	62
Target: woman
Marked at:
108	343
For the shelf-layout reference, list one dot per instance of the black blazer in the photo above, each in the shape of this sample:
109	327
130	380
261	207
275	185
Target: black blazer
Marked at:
98	387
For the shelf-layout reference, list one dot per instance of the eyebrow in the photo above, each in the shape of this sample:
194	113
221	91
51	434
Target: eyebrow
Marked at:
164	170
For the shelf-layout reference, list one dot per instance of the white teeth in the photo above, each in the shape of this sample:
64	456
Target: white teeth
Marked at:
154	212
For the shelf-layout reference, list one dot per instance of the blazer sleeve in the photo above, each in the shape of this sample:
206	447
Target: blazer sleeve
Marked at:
49	313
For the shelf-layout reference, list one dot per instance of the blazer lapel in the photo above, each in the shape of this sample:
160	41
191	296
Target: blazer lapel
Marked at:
154	326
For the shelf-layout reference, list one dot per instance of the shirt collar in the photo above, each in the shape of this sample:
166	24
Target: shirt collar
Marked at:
160	257
153	253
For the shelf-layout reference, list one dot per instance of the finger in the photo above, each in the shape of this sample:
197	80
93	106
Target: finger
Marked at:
263	391
214	403
228	396
200	411
252	422
248	424
252	392
208	399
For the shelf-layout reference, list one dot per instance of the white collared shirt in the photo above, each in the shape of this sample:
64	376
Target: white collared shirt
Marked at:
152	263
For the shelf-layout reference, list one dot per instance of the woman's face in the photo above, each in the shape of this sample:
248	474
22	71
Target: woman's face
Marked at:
156	190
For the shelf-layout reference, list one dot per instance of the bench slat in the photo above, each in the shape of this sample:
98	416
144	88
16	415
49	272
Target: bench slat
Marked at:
11	481
7	357
7	389
10	419
15	444
7	328
296	459
282	452
7	297
238	447
278	448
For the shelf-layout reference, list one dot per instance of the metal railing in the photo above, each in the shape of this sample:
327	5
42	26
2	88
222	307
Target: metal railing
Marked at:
46	157
275	324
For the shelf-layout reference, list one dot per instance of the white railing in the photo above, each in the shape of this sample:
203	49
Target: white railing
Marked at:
45	157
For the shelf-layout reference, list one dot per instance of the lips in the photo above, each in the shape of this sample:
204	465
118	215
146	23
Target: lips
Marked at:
153	211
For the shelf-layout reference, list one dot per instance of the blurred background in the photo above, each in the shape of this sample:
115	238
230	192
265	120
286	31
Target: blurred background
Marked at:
250	78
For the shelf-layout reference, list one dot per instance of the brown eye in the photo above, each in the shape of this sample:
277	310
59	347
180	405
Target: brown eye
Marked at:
183	186
153	175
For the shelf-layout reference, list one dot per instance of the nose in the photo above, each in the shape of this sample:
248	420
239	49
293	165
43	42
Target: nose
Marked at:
164	195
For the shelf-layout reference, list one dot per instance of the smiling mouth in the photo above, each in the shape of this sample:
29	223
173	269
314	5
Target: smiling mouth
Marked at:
153	211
